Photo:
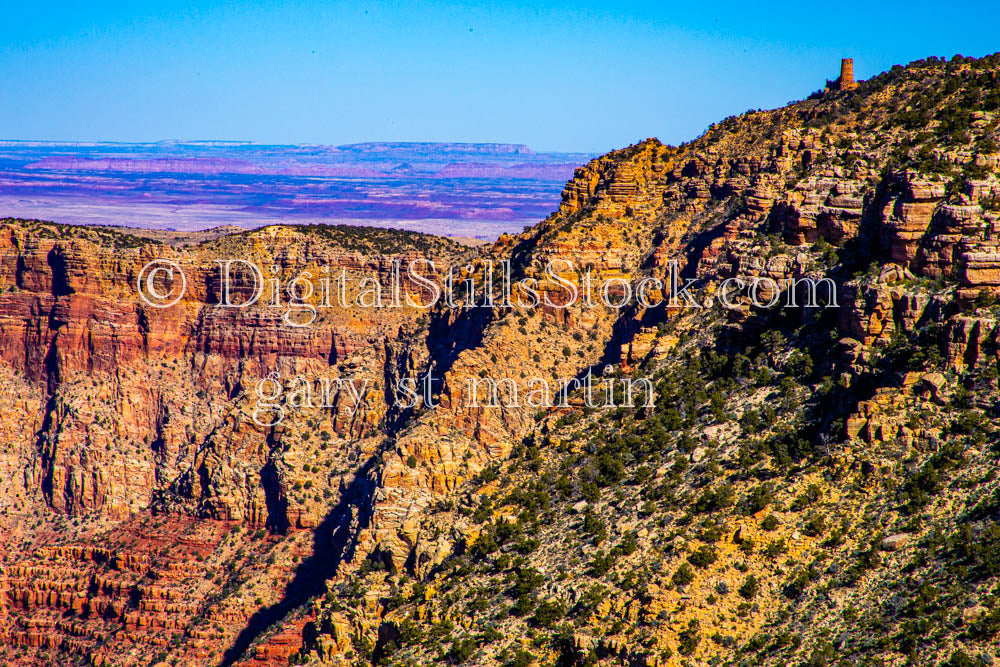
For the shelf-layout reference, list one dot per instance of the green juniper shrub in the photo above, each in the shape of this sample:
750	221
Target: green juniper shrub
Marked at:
703	556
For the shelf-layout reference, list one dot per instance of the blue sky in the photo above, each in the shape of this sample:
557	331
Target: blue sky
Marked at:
571	76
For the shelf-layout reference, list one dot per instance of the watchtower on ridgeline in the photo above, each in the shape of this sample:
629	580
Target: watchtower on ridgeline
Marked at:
846	80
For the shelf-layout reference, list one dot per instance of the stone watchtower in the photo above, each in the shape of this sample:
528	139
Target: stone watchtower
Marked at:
846	80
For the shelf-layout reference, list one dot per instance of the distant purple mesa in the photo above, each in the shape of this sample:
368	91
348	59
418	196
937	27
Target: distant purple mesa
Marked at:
475	190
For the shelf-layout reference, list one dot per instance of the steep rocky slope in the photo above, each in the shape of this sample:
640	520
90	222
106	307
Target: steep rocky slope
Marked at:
806	474
812	484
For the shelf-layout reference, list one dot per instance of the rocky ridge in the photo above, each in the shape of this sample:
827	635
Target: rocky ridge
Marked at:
888	192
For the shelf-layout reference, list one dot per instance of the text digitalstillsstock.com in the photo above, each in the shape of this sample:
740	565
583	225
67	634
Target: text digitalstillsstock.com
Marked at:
162	283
